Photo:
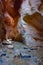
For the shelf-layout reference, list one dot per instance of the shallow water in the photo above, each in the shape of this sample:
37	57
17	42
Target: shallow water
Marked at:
30	56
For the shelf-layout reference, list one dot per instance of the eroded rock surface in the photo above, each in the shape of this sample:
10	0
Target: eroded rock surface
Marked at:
32	20
30	24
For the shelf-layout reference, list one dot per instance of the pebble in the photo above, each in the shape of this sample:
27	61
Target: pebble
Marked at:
4	43
34	58
9	39
33	48
3	54
1	60
10	46
7	42
25	48
17	52
25	56
29	50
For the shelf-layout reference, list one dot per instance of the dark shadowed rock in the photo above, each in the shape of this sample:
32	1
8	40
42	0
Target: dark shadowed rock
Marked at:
2	28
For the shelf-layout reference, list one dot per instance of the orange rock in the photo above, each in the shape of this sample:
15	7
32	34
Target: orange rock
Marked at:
11	27
11	16
35	20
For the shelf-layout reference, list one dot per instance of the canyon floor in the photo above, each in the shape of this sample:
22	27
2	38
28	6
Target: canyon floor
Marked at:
20	54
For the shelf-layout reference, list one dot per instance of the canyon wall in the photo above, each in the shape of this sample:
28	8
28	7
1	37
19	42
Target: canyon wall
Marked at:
30	27
31	22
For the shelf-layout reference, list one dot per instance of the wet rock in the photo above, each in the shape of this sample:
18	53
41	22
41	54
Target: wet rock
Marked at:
10	46
17	52
34	59
33	48
4	43
25	48
25	55
20	53
29	50
1	60
7	42
3	54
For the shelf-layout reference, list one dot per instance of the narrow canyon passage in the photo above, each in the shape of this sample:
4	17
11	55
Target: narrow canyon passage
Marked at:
21	32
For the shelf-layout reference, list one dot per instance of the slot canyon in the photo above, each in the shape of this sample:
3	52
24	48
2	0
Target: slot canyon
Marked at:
21	32
21	20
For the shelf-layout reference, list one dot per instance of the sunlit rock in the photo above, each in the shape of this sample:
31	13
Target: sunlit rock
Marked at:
31	28
30	24
11	27
14	15
10	46
29	7
7	42
35	20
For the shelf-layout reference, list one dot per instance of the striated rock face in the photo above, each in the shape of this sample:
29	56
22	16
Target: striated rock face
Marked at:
36	27
35	20
31	23
31	29
11	27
